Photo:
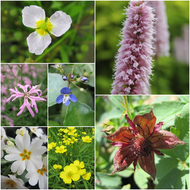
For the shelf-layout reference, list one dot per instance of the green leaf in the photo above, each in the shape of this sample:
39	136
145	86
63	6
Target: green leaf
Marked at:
109	181
141	178
116	100
184	98
51	157
175	178
165	165
165	111
53	123
55	83
182	128
79	114
128	186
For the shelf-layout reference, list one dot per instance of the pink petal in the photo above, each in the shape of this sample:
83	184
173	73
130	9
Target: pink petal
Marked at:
123	158
148	165
165	140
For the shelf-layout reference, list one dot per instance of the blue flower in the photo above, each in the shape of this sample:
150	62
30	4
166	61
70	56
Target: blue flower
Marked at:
66	96
83	79
64	78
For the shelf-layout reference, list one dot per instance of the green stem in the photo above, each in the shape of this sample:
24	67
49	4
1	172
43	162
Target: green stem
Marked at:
126	106
52	47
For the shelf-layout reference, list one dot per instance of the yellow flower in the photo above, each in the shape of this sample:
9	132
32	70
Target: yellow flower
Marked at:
61	130
93	130
79	166
55	166
72	130
75	134
86	176
84	133
51	145
86	139
60	149
66	130
70	174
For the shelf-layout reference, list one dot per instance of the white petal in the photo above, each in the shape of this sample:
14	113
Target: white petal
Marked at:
61	23
34	177
19	166
26	141
12	157
34	164
12	150
32	14
37	43
19	142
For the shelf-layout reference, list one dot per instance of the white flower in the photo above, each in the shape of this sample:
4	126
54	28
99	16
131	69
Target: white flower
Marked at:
44	138
2	147
12	182
3	134
21	131
26	155
34	17
37	131
39	175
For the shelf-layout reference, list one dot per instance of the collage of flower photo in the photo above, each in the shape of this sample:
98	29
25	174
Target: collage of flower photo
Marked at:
94	94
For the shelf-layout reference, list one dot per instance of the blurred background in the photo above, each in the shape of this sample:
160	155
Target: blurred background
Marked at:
171	74
78	45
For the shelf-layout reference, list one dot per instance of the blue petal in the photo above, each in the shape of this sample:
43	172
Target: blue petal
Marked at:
65	90
59	99
67	103
73	98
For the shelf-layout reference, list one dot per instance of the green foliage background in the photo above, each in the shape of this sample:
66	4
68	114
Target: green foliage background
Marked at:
76	45
172	168
169	75
80	113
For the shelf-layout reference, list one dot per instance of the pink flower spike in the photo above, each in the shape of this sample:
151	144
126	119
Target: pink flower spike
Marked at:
134	58
30	97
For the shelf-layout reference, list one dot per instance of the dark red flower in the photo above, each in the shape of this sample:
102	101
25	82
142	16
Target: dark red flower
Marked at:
139	142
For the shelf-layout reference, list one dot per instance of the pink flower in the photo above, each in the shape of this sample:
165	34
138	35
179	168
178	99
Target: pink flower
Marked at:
30	97
133	61
162	35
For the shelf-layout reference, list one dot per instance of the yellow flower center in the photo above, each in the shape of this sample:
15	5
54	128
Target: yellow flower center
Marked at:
25	155
43	27
11	183
41	171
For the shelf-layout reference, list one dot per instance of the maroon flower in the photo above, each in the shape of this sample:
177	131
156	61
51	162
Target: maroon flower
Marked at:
139	142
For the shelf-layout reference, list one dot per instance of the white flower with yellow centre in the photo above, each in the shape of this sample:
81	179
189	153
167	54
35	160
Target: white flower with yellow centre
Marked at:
25	155
34	17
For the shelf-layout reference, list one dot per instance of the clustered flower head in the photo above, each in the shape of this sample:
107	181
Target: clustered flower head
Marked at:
30	97
34	17
140	141
161	43
133	61
66	96
74	171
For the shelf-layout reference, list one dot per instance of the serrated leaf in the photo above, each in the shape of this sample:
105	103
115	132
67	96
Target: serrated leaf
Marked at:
55	84
182	126
79	114
109	181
